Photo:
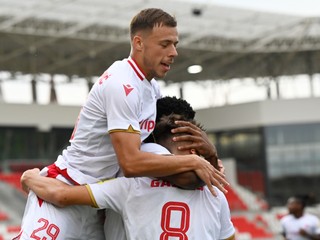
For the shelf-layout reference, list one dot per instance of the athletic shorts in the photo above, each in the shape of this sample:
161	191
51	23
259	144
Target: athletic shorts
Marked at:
42	220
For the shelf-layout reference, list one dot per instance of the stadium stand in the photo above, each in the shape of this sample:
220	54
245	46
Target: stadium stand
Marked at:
12	178
243	225
23	166
3	216
8	232
245	179
235	202
249	216
10	214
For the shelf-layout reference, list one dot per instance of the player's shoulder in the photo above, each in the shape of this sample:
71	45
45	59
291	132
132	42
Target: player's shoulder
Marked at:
119	68
219	193
136	183
286	218
125	73
220	197
311	216
118	74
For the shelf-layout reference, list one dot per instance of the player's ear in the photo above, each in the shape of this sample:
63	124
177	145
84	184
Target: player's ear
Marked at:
137	42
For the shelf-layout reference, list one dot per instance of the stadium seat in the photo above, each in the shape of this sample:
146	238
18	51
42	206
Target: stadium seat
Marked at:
12	178
280	215
3	216
243	225
13	229
261	221
235	202
9	232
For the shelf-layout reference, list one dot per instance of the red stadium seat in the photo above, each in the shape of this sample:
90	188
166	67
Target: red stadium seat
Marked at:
280	215
235	202
243	225
13	229
3	216
12	178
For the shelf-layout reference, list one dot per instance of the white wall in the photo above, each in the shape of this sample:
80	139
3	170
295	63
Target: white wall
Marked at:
264	113
42	116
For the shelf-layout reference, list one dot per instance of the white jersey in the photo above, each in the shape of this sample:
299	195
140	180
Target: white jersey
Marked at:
291	226
122	99
154	209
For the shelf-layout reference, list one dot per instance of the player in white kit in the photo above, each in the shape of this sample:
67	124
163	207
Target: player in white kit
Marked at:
299	225
118	114
152	208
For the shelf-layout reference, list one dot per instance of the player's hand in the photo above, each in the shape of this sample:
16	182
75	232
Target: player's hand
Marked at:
303	232
210	175
25	176
198	140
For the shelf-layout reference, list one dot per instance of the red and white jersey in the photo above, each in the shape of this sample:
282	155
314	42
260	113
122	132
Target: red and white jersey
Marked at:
292	225
154	209
121	100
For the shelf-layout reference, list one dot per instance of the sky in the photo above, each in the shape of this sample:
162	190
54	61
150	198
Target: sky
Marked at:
200	95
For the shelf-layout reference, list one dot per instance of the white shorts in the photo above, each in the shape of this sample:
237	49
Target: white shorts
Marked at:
42	220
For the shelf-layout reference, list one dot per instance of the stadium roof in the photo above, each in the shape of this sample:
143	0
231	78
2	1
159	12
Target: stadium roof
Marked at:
83	37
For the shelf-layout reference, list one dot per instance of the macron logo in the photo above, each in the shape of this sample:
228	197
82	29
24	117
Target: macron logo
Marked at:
127	89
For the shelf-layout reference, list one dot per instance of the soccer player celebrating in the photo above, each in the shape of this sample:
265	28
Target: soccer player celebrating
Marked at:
118	115
152	208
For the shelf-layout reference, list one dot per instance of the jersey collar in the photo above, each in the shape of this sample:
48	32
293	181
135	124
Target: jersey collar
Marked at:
136	68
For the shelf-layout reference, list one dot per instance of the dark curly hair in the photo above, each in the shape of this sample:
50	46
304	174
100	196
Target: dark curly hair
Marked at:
172	105
168	105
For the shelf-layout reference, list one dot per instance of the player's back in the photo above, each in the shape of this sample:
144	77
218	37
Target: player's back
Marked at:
154	209
167	211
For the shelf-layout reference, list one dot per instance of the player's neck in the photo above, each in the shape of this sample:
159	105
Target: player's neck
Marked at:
298	215
139	63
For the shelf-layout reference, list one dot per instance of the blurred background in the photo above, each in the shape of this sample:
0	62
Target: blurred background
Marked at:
249	68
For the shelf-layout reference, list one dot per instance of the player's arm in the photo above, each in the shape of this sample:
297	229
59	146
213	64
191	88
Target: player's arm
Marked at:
198	140
190	180
54	191
135	163
307	235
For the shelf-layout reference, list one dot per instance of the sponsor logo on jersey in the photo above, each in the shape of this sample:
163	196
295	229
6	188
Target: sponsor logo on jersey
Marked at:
104	77
127	89
147	125
161	183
